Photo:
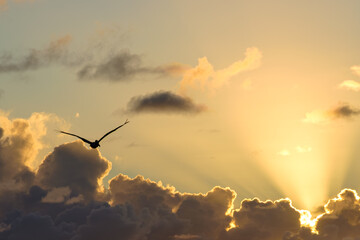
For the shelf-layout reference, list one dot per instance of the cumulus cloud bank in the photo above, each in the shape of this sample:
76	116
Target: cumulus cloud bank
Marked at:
163	102
342	111
64	199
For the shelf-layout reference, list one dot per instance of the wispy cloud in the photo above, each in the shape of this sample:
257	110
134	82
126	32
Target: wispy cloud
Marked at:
203	76
163	102
124	66
350	85
356	70
342	111
55	52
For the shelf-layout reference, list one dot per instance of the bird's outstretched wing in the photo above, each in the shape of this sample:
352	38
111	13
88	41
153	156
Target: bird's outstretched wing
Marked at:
114	130
85	140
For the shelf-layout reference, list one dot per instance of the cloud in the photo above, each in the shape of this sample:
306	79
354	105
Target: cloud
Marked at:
204	76
163	102
61	169
55	52
20	142
350	85
263	220
342	111
142	193
64	199
124	66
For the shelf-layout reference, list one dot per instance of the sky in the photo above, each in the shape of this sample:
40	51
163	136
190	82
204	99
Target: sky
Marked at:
245	111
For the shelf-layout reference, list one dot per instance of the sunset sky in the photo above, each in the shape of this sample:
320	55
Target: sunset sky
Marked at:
260	97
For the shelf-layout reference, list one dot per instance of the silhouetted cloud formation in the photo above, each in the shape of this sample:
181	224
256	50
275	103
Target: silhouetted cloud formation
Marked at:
61	169
163	102
123	66
342	111
65	200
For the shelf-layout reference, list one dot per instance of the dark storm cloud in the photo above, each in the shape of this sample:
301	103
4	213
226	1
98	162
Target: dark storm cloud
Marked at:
123	66
55	52
163	102
75	166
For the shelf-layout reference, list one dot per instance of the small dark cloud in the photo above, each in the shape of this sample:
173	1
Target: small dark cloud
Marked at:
345	111
342	111
163	102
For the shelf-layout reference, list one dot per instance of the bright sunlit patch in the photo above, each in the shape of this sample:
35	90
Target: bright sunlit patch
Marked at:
77	115
316	116
284	153
306	220
231	225
302	149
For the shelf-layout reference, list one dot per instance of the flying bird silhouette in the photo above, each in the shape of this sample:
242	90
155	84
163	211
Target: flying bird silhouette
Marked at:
96	143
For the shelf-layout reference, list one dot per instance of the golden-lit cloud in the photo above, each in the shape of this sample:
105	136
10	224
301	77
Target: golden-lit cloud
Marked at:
342	111
350	85
27	132
204	77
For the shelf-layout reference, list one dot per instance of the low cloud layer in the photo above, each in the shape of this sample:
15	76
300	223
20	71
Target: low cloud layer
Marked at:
64	199
342	111
163	102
